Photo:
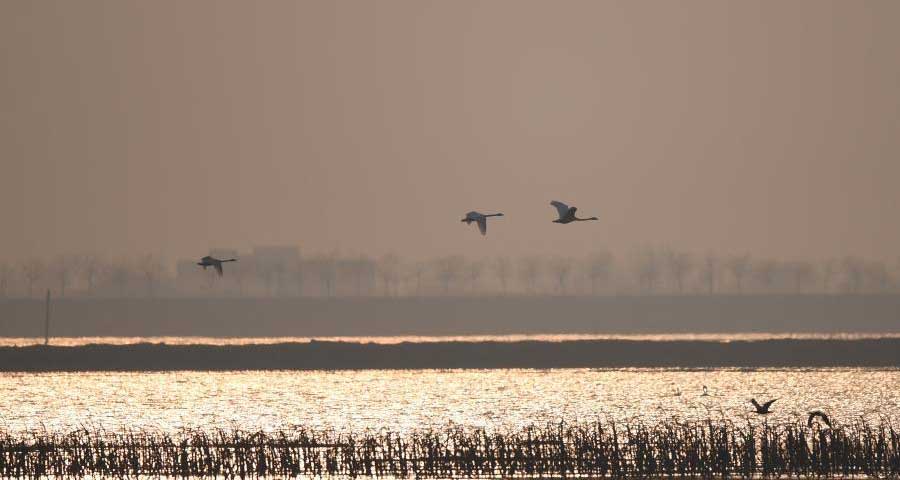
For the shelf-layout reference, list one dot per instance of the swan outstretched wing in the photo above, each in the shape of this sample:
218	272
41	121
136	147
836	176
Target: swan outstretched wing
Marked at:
768	404
482	224
218	266
561	208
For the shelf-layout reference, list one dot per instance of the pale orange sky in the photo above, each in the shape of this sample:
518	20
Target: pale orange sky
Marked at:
172	127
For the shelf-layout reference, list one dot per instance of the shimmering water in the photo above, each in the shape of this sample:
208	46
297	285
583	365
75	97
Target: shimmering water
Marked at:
407	400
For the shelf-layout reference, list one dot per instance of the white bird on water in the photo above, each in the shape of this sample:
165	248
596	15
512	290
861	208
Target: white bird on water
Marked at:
209	261
479	218
567	213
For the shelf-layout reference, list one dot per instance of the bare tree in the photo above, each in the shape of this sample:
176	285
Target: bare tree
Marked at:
278	272
880	277
599	269
7	273
325	269
150	267
530	270
362	269
562	269
240	273
328	275
265	275
853	272
91	267
804	275
298	271
503	270
119	275
647	267
64	268
739	266
766	273
829	270
389	270
474	269
709	272
679	266
271	274
897	273
447	270
32	271
419	270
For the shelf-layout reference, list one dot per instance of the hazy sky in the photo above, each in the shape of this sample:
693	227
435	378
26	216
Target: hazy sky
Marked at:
172	126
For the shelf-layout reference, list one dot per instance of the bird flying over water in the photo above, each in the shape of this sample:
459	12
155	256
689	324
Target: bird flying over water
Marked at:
479	218
764	408
209	261
817	413
567	213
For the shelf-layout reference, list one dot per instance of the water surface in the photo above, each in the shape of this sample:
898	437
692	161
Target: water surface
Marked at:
405	400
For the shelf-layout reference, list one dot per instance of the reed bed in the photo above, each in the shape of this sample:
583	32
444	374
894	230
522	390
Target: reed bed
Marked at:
667	449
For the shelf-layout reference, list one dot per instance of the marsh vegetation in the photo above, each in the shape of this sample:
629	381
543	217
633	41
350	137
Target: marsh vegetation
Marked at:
745	448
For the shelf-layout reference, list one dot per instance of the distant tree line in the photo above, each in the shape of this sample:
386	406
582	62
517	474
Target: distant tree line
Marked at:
641	271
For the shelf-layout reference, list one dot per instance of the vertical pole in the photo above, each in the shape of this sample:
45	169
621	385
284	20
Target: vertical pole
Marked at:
47	319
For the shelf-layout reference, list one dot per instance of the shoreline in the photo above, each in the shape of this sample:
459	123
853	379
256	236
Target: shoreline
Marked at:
59	341
318	355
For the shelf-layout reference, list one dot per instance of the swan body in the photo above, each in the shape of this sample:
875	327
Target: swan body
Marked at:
209	261
764	408
480	219
567	213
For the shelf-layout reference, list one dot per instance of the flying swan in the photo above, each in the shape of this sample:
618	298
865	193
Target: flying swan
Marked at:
480	218
567	213
209	261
